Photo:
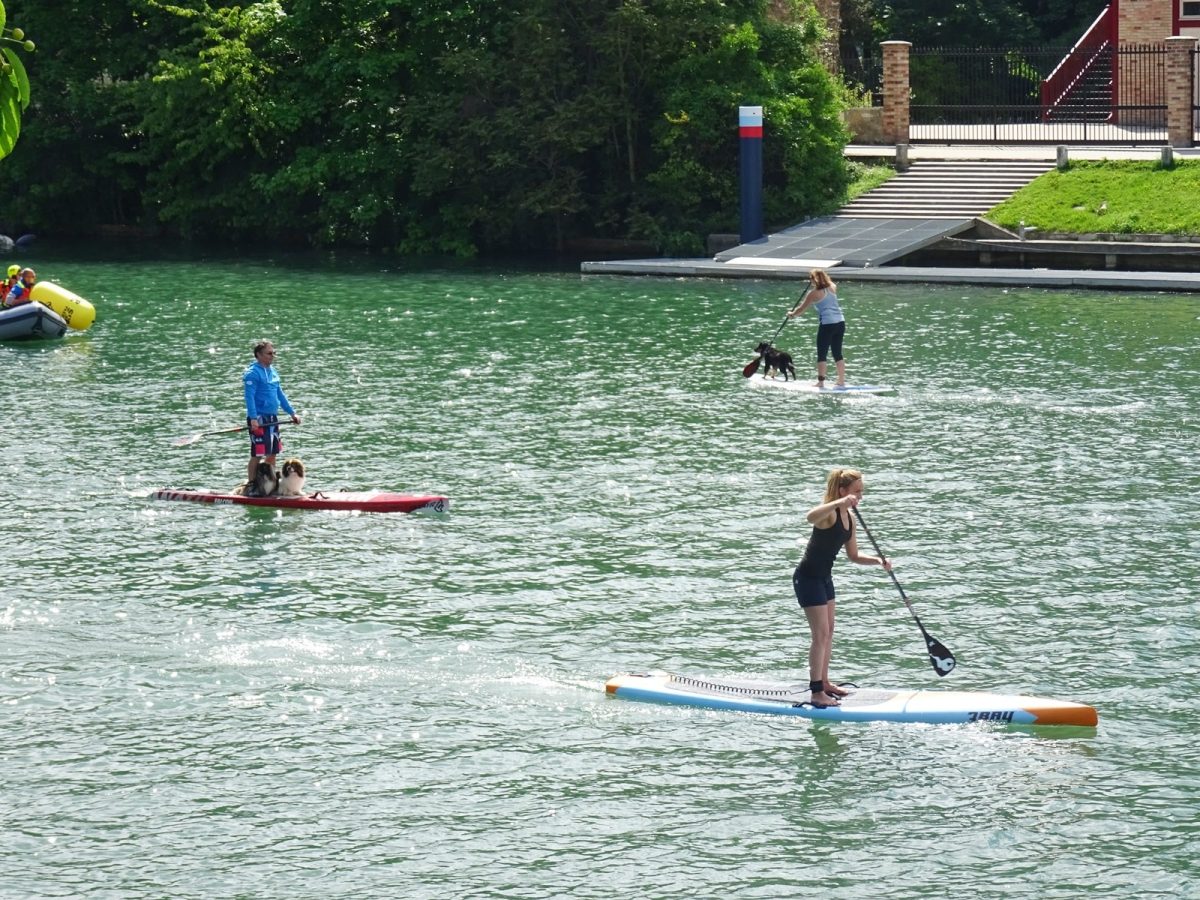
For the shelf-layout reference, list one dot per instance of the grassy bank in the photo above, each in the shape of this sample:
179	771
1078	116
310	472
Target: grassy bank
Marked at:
863	178
1119	197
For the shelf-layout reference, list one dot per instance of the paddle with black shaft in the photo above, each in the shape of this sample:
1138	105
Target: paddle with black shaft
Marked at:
752	366
940	657
192	438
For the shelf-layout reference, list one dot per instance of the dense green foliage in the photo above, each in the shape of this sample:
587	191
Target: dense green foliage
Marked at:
14	83
1032	34
866	177
1120	197
456	127
966	23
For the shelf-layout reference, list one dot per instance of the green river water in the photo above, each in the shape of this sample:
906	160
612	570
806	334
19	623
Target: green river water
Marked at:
230	702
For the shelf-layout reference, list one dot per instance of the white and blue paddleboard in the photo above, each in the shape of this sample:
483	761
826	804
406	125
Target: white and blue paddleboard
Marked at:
783	699
806	386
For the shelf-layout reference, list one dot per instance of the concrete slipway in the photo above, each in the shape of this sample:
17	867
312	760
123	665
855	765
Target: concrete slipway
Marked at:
857	243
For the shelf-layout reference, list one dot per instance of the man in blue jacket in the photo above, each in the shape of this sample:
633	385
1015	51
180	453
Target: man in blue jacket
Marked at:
264	397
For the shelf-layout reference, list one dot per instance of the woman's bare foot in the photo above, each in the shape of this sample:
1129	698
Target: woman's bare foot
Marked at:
834	691
821	700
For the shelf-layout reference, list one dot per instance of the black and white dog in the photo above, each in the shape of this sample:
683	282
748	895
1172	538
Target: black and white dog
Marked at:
265	483
775	361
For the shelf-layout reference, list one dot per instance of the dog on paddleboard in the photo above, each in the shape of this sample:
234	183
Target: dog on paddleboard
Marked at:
291	478
265	483
775	361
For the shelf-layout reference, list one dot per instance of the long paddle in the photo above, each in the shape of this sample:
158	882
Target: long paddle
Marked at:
940	657
752	366
192	438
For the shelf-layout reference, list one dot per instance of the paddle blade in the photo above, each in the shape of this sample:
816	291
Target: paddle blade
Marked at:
751	367
940	657
192	438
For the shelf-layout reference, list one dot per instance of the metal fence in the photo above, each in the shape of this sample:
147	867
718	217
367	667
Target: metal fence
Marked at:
1105	95
1196	97
862	71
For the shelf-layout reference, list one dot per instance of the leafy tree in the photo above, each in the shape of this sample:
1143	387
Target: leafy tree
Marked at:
971	23
500	126
76	167
14	83
208	119
955	23
620	120
770	62
1062	22
456	127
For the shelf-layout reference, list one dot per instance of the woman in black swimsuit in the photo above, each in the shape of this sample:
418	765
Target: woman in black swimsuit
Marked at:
833	528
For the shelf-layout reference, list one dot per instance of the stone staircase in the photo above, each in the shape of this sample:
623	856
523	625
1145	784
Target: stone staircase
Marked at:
945	189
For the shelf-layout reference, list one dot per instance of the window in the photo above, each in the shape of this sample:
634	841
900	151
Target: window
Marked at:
1190	9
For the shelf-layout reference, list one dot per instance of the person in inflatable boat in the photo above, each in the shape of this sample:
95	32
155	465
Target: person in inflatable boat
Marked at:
14	276
19	293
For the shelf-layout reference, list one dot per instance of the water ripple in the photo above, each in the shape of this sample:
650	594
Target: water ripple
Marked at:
227	701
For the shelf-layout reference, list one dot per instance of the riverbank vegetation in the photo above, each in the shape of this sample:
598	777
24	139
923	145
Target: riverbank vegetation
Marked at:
450	128
14	82
1114	196
453	127
864	177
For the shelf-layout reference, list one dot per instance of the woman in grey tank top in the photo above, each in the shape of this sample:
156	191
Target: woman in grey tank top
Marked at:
832	324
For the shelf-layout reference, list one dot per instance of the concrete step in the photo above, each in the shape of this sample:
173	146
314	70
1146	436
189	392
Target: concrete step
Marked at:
940	188
945	188
995	165
940	214
947	174
942	196
943	184
908	202
967	177
962	191
916	212
925	209
932	196
934	210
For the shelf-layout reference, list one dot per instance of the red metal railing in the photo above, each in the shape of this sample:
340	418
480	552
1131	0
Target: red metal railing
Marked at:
1076	64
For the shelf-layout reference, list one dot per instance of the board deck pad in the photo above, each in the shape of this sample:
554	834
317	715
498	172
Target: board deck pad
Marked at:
807	386
360	501
862	705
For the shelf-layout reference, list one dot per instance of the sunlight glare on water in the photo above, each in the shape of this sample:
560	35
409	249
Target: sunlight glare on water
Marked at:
207	701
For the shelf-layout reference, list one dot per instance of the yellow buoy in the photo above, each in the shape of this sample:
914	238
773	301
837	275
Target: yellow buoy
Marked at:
76	312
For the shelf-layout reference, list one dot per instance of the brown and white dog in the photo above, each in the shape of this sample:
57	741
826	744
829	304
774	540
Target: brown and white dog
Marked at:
291	478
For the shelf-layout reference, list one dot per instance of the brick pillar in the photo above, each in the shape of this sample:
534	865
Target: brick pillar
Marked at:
1179	91
895	91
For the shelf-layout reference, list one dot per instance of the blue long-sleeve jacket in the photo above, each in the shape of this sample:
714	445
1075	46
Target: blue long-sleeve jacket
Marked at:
264	393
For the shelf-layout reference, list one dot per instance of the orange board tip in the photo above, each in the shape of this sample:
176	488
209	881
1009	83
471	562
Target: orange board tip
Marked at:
1075	715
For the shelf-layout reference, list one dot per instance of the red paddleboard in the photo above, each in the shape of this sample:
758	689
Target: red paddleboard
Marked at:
362	501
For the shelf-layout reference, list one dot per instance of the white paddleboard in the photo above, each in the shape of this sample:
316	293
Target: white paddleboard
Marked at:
807	386
863	705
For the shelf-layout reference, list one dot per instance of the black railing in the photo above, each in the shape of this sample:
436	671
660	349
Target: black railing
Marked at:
996	96
1196	96
862	71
